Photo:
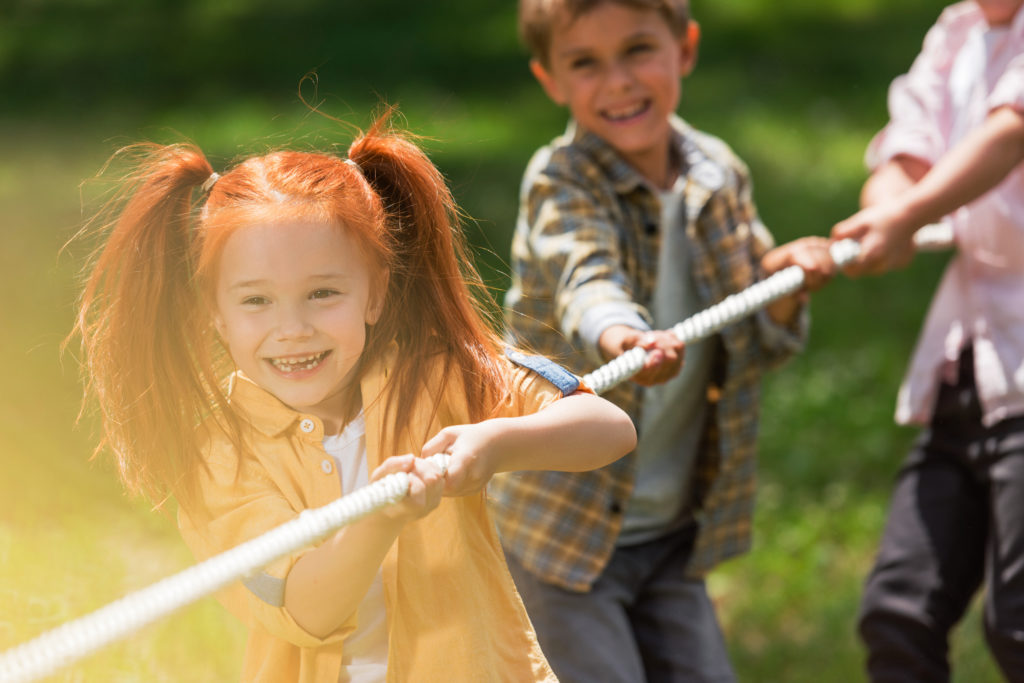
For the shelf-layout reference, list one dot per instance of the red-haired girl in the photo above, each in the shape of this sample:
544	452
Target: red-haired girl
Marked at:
262	341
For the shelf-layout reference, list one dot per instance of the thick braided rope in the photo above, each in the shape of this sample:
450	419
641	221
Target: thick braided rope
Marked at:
935	237
709	321
69	642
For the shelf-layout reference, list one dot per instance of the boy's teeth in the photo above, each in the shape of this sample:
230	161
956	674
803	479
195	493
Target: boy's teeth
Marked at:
625	113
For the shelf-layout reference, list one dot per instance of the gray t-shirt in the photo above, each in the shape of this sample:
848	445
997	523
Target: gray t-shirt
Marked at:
672	414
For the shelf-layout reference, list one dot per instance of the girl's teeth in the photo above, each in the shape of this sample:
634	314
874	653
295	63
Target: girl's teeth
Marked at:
302	363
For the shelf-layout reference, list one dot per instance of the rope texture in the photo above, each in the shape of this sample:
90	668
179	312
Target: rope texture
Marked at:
709	321
75	639
59	647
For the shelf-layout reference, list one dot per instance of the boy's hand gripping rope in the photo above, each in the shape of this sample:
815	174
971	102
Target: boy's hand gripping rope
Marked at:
737	306
60	646
65	644
704	324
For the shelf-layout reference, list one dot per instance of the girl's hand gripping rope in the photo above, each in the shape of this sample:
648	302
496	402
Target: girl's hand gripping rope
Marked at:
426	485
473	455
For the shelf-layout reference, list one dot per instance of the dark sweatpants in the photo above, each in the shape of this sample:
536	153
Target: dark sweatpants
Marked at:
956	519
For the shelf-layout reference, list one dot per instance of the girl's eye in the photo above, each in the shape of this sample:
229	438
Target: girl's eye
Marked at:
322	293
254	300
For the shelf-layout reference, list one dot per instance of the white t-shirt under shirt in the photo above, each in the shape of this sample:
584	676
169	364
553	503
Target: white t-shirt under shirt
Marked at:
366	649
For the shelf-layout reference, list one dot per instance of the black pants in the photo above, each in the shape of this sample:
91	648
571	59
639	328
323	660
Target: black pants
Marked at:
956	519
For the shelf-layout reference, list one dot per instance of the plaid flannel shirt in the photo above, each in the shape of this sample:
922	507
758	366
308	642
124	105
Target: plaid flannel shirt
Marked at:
587	235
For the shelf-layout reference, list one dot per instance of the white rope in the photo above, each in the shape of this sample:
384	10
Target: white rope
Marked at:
73	640
934	237
69	642
709	321
738	306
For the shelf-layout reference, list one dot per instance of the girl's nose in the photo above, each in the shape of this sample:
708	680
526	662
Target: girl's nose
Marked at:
292	324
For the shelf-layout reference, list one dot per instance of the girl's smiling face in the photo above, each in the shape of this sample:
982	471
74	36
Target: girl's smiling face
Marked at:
292	304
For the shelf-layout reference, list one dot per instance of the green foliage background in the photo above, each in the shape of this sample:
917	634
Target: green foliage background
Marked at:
796	86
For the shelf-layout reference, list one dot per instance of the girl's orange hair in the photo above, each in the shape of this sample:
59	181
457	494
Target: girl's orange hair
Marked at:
151	357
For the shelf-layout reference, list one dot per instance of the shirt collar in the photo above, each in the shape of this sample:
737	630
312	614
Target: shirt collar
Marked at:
272	417
262	409
624	178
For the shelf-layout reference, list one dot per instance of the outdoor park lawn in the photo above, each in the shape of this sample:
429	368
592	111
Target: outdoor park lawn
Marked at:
796	86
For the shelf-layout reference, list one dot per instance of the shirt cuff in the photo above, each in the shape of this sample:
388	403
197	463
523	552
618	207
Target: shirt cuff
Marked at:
790	338
599	318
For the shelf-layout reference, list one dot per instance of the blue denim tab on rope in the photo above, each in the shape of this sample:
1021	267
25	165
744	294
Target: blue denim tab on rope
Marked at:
564	381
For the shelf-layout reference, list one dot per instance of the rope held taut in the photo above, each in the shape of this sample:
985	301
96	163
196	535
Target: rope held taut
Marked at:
709	321
73	640
59	647
935	237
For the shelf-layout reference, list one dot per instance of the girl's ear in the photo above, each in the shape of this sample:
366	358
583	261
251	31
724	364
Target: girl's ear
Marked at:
375	304
218	322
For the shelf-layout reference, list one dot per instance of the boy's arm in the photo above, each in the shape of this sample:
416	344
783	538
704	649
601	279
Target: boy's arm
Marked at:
574	247
974	166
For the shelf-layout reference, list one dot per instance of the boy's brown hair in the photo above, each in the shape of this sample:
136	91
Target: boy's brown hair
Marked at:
537	17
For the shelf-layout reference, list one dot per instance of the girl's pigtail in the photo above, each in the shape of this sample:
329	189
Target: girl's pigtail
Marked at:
144	335
430	307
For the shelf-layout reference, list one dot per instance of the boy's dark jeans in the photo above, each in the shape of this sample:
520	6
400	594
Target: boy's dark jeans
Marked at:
643	620
956	519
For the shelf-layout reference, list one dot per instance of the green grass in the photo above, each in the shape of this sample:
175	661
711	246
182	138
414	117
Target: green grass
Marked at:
797	87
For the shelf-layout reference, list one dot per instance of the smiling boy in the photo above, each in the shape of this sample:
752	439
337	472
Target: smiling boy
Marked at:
630	222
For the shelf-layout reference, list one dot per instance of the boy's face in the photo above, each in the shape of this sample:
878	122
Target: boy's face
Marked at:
999	12
618	70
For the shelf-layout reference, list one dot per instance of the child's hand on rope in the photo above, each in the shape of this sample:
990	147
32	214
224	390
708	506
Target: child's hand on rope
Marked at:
473	451
426	485
664	349
810	253
886	241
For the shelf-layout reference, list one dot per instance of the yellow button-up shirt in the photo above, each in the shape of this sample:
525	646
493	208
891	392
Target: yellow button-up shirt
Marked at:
453	612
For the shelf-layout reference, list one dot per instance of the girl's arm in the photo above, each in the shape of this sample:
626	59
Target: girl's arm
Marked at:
576	433
976	165
326	585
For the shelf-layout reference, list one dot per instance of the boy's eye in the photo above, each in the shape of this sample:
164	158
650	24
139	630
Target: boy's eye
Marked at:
322	293
581	63
639	48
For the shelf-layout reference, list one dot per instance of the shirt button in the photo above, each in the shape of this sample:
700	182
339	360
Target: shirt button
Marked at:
326	466
307	425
